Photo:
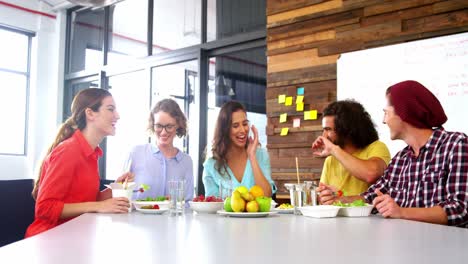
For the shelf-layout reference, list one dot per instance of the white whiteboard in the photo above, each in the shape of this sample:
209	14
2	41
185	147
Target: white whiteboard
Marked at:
440	64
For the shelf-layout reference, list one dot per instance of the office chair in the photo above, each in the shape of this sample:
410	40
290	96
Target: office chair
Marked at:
17	207
102	182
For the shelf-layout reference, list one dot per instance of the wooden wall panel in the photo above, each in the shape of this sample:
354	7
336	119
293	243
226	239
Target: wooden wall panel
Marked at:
298	60
304	40
320	7
304	75
300	41
279	6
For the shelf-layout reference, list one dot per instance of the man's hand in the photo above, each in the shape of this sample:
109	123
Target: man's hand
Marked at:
322	147
327	193
386	206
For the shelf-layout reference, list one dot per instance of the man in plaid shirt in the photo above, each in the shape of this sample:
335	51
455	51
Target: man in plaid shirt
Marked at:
427	180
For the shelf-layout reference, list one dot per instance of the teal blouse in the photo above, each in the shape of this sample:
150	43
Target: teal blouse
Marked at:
212	179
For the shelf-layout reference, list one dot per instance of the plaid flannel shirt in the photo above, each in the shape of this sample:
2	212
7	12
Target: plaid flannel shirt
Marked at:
438	176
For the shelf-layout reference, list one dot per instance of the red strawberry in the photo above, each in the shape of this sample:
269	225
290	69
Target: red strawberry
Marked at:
141	190
339	193
156	206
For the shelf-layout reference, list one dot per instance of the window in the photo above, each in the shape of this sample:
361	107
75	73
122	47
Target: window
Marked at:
239	76
176	24
86	40
131	95
128	32
14	77
227	18
144	51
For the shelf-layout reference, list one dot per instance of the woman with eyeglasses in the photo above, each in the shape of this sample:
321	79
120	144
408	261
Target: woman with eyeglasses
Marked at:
154	164
237	158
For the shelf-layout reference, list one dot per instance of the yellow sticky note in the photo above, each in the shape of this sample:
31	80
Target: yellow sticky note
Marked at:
313	114
284	131
281	98
300	107
283	117
299	99
310	115
288	100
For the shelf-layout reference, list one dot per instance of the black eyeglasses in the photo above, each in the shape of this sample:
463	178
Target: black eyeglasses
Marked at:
169	128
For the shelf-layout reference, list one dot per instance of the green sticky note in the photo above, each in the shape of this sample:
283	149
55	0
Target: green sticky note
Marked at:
288	100
283	117
284	131
300	90
281	98
300	107
299	99
310	115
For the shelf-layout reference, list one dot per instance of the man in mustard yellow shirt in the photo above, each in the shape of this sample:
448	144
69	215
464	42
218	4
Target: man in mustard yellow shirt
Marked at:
355	156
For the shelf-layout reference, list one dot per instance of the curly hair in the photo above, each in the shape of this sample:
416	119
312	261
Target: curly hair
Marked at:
172	108
352	123
221	140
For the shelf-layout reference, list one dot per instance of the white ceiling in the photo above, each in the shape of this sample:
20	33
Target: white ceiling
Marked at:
57	4
62	4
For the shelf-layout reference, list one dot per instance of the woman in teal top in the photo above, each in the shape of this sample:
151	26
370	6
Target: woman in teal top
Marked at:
236	158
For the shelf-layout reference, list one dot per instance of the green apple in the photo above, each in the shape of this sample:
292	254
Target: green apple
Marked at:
252	207
242	189
227	205
264	203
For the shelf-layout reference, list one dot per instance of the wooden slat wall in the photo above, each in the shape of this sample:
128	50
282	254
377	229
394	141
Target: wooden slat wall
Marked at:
306	37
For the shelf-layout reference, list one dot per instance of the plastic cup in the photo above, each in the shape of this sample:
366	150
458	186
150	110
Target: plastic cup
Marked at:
176	197
123	193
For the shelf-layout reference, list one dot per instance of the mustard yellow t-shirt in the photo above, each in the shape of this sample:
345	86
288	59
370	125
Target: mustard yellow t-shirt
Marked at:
335	174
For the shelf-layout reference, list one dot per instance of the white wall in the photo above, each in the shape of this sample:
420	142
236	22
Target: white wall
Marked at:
46	84
440	64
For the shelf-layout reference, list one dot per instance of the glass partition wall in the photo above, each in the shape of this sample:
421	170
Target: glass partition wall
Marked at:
200	53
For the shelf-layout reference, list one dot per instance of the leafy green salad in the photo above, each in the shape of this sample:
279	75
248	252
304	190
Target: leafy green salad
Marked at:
154	199
356	203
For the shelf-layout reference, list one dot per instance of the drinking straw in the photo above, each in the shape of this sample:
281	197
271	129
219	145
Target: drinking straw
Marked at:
297	171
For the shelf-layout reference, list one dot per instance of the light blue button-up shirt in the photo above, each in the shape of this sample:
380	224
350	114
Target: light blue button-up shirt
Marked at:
151	167
212	179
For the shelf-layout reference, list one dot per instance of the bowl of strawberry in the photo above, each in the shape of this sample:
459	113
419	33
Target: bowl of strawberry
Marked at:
207	205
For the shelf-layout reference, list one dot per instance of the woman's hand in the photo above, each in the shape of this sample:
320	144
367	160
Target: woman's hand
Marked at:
113	205
253	143
129	176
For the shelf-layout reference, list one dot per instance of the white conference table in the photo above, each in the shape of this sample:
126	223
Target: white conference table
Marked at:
200	238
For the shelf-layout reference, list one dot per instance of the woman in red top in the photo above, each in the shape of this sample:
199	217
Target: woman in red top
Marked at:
68	183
